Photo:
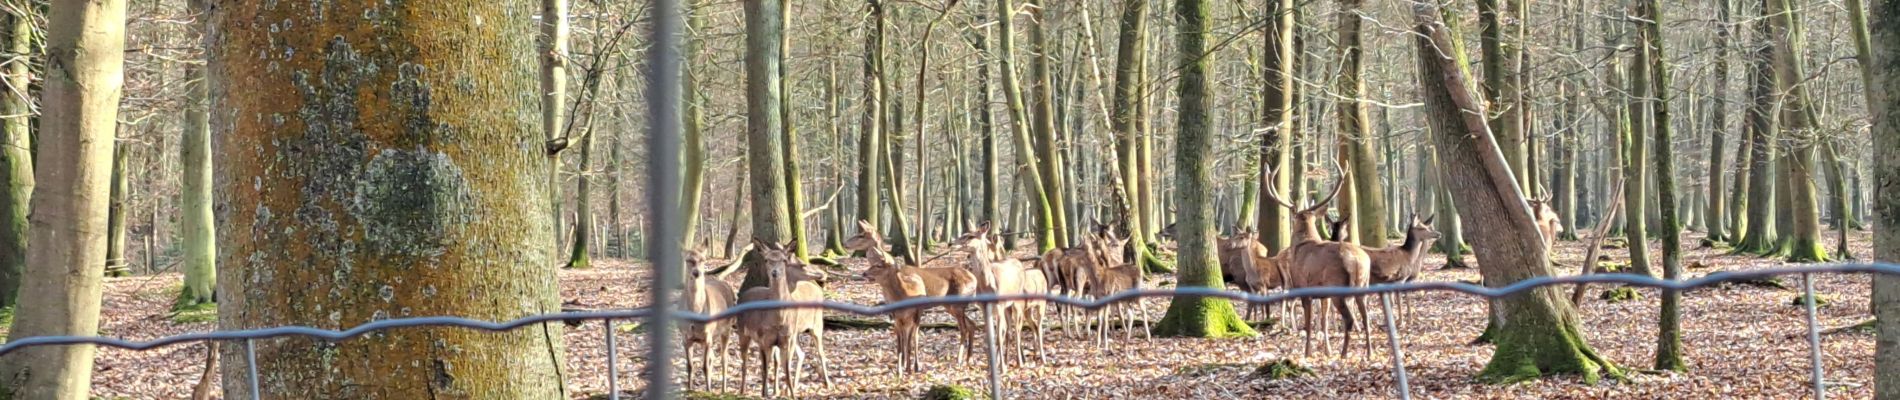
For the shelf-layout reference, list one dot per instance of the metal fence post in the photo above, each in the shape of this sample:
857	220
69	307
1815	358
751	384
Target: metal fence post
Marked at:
613	361
250	364
663	166
1814	338
1392	340
996	366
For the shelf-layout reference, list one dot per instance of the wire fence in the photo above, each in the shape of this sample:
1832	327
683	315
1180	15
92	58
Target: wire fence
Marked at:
659	381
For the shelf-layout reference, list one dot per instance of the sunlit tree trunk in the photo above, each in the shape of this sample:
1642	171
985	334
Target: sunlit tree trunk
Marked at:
692	120
1717	212
16	155
1130	47
1501	37
117	209
1798	121
1760	236
764	132
1669	330
1276	117
870	136
794	189
1636	163
988	168
554	53
1884	75
1369	214
1043	126
421	198
1540	333
1029	173
1194	157
195	218
66	249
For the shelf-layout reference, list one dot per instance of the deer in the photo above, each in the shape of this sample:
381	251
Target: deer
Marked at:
1107	277
707	293
780	328
1315	262
1007	276
1404	261
1245	263
1547	222
901	282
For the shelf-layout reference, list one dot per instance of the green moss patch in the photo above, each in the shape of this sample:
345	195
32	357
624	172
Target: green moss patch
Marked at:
1820	300
1280	369
1620	294
1767	282
1608	267
194	314
950	392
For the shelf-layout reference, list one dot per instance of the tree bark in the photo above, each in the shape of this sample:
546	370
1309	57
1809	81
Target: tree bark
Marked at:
1884	73
764	136
66	250
1716	216
1540	332
16	151
195	219
1028	171
1194	156
1798	121
1368	193
794	189
1276	118
1501	42
1636	163
1669	326
692	119
554	53
1129	52
870	136
420	198
1048	150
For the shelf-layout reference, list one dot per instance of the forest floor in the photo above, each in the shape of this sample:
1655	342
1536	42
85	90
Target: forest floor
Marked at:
1742	341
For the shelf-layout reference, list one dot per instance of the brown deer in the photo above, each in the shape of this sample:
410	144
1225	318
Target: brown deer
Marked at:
706	292
1404	261
1547	222
901	282
1245	263
1316	262
1110	276
1006	276
780	328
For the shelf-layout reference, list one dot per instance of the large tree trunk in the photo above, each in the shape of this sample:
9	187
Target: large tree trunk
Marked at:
794	189
692	118
1540	334
870	136
1194	156
554	53
1129	52
583	205
991	173
16	152
1028	172
1276	118
448	205
1043	125
66	251
765	160
1884	73
1636	164
1368	195
195	218
1501	43
1669	326
1717	212
1798	121
117	208
1758	225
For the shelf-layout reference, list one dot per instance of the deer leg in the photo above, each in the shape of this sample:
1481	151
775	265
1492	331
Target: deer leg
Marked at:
1042	353
1344	307
1306	326
824	361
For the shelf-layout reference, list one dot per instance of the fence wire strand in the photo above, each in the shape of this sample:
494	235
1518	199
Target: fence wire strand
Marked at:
249	336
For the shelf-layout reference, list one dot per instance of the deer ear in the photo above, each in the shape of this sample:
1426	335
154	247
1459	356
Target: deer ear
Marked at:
1429	218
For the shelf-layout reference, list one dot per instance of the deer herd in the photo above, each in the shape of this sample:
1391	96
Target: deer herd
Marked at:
1094	269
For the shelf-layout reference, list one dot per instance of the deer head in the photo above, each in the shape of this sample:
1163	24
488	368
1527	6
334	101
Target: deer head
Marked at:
1341	228
867	239
1421	229
1303	218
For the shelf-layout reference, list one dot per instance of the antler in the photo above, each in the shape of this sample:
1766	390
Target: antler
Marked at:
1270	192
